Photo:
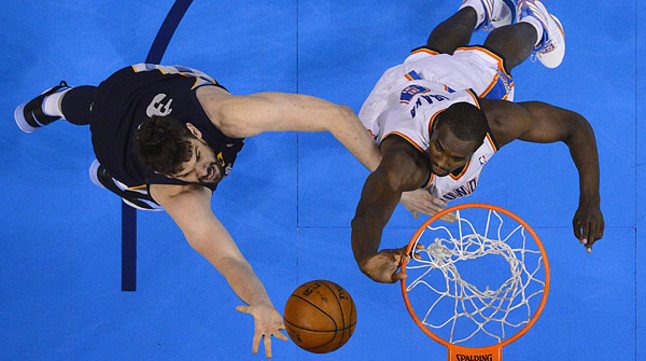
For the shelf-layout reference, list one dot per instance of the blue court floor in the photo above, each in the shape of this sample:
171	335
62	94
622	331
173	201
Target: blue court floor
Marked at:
290	198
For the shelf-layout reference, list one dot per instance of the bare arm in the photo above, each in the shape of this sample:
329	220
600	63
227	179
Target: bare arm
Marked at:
190	208
245	116
543	123
403	168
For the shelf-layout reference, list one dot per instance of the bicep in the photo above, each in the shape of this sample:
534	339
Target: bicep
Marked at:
536	122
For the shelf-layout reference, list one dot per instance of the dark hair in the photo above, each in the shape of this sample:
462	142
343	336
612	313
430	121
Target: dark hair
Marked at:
163	144
467	122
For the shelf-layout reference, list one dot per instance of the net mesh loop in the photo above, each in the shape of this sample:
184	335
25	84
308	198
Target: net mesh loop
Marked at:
487	310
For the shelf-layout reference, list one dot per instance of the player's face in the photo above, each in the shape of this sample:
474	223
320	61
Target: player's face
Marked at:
203	166
448	152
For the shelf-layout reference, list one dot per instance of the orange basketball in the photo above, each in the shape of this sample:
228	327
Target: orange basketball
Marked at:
320	316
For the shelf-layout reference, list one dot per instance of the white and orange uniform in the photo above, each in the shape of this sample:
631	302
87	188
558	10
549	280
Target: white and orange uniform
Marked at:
409	97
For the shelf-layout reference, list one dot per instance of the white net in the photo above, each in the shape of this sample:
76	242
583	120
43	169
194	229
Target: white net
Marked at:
492	283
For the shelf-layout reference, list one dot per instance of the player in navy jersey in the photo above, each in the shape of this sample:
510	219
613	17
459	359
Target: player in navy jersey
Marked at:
165	136
441	115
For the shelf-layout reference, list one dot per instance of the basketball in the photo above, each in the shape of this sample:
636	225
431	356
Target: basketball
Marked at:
320	316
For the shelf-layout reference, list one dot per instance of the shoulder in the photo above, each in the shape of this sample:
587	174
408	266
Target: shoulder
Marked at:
507	120
213	99
172	194
404	163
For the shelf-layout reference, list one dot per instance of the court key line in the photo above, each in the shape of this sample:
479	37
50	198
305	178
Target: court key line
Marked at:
129	214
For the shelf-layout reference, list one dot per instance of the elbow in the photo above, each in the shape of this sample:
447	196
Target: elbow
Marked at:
345	113
579	128
346	110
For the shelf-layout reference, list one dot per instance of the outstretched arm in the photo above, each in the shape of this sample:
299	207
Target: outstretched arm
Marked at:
190	208
543	123
246	116
402	168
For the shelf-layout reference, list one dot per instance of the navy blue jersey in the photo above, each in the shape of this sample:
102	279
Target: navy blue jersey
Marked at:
138	92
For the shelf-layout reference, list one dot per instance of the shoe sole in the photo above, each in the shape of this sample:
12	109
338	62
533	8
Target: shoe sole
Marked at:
21	122
94	169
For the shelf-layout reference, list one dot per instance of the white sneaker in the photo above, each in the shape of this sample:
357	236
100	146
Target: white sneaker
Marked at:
551	49
497	13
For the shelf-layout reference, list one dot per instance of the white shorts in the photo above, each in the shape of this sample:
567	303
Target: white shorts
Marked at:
474	68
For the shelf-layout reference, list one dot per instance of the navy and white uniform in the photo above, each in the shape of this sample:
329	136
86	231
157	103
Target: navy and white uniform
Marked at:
138	92
409	97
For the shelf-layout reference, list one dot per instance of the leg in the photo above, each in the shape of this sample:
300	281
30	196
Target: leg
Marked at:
513	43
48	107
537	32
473	15
454	32
75	104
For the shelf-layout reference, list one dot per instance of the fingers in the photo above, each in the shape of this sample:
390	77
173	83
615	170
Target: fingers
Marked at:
588	233
243	309
439	202
399	276
587	229
267	340
595	233
416	255
267	345
280	335
579	233
449	217
256	342
399	256
577	229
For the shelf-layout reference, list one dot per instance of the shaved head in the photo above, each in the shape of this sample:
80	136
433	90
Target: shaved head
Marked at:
466	121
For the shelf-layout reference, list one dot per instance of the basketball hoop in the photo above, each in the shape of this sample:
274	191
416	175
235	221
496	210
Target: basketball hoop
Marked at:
479	283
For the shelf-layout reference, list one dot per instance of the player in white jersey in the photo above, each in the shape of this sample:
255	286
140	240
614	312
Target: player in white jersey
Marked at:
441	115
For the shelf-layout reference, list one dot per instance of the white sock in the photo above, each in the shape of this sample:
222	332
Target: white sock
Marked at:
478	7
537	25
52	104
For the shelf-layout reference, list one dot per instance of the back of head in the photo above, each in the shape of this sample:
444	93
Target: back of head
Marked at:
466	121
163	144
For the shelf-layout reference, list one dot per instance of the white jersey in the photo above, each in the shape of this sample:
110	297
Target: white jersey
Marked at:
417	106
408	98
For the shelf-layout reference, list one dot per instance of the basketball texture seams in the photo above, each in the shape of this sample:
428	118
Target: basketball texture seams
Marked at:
320	316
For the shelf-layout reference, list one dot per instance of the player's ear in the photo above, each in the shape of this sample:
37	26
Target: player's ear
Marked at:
196	132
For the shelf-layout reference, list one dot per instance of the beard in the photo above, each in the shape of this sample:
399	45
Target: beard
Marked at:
214	176
215	170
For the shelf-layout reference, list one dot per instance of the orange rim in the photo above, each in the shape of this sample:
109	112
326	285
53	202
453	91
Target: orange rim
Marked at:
539	310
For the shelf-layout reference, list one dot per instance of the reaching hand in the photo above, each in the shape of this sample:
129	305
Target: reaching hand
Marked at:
382	267
588	225
268	322
421	201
